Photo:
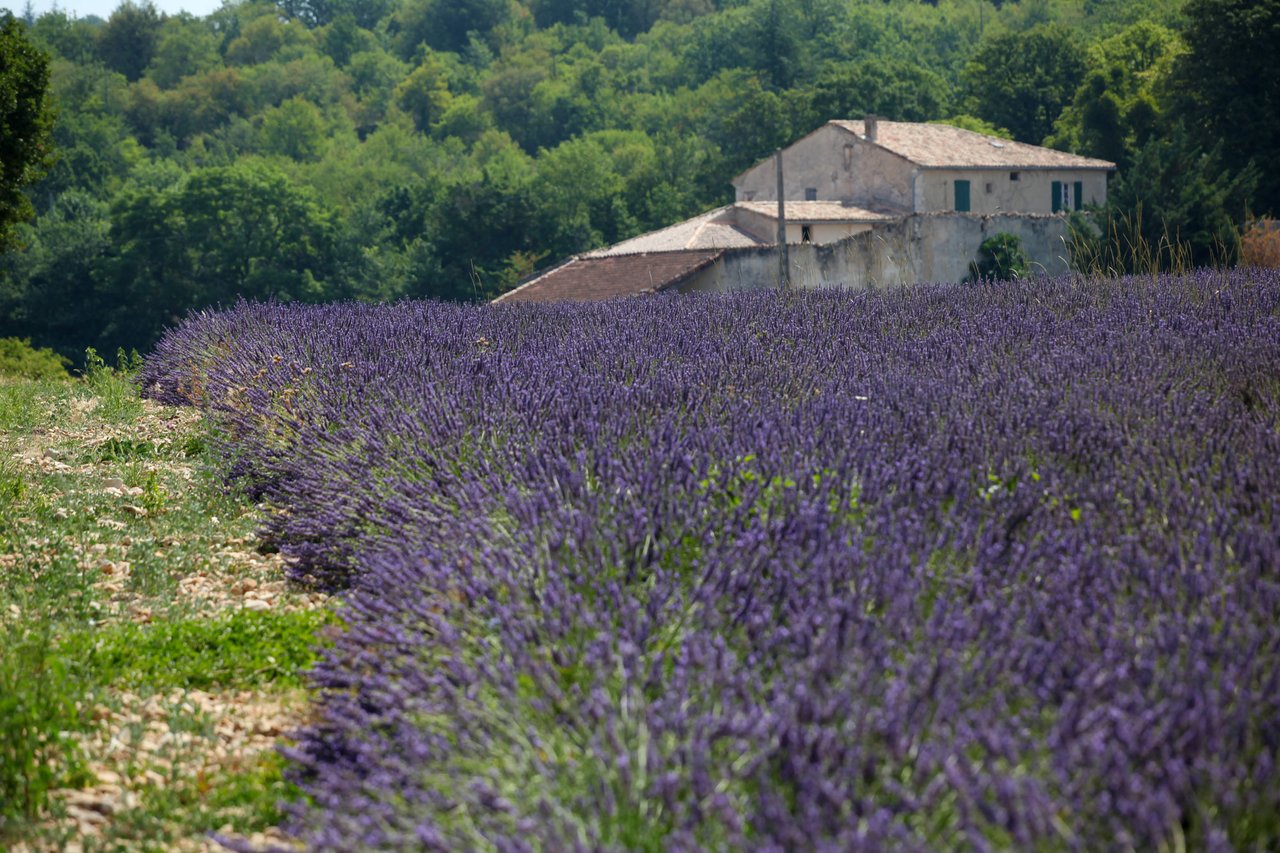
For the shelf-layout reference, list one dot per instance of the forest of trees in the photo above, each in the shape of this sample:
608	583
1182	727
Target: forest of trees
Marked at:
377	149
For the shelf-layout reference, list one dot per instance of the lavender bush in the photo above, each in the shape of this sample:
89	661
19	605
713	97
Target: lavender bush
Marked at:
992	567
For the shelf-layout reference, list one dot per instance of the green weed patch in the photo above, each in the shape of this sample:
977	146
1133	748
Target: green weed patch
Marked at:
244	649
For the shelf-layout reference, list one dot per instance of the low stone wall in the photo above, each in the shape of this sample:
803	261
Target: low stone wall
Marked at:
924	247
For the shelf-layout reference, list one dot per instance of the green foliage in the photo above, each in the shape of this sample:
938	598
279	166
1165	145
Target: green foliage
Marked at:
1116	109
22	406
25	121
69	37
127	41
185	46
94	143
52	279
977	125
898	88
1178	206
1227	83
267	38
424	94
38	710
1000	257
224	231
244	649
295	129
116	394
444	24
13	488
1023	81
19	358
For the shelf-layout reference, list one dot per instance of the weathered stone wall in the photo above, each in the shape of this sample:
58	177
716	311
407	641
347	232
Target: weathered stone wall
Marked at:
766	227
1032	192
839	166
930	247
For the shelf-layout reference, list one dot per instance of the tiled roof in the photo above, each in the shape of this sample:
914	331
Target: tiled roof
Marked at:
712	230
588	279
820	211
943	146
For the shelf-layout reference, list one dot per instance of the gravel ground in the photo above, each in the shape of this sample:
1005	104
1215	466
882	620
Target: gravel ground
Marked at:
171	740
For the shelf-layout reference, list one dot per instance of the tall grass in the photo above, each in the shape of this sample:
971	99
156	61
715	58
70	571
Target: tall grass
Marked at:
38	708
1120	245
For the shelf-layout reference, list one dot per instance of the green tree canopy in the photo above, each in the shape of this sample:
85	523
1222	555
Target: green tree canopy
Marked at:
127	41
184	46
1175	197
25	122
898	89
1022	81
223	232
1117	107
1229	83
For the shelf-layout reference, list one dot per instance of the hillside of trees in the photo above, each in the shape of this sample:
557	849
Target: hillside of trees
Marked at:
334	149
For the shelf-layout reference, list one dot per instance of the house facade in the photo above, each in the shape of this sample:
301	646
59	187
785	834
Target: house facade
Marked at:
927	168
868	203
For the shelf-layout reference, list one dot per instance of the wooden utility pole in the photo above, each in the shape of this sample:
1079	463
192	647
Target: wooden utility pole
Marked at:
784	262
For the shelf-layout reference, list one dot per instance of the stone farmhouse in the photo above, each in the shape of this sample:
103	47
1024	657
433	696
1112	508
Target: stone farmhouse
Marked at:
871	203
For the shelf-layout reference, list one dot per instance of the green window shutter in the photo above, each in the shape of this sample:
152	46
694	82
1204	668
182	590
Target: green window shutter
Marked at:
1077	195
1057	196
962	196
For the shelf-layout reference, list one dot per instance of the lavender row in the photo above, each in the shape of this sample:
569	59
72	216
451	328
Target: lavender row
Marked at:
990	567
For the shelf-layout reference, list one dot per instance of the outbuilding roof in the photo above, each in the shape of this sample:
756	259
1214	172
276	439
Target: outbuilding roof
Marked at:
585	278
820	211
715	229
941	146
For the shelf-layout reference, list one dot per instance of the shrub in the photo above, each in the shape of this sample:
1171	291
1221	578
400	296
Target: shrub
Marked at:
1000	257
1260	244
19	358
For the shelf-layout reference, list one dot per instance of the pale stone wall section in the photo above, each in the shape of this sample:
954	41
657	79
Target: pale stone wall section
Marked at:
1032	192
931	247
840	166
825	232
766	227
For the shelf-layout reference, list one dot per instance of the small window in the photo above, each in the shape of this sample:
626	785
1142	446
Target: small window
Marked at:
806	233
1013	176
990	187
750	195
810	193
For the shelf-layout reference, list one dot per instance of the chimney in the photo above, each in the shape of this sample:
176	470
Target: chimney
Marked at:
869	127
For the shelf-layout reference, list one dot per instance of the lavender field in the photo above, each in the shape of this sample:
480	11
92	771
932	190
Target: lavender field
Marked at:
992	567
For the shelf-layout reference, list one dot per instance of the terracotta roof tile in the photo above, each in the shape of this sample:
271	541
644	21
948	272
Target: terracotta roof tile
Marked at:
588	279
943	146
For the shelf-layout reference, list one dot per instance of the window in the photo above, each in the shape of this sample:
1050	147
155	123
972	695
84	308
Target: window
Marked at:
806	233
1077	195
750	195
1013	176
962	196
990	187
1056	196
810	193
